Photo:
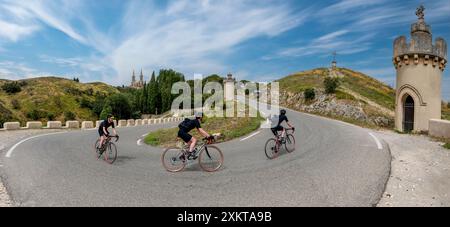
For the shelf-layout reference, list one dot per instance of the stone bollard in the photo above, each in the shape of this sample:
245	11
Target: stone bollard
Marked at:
145	122
130	122
11	125
34	125
138	122
122	123
72	124
87	124
54	125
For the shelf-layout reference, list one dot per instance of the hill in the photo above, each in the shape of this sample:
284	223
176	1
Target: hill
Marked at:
51	98
360	99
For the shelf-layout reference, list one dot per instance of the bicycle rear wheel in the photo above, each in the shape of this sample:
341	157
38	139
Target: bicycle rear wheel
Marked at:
210	159
173	159
290	143
272	148
110	154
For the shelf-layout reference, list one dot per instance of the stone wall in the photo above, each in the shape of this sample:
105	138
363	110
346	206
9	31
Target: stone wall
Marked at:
86	124
439	128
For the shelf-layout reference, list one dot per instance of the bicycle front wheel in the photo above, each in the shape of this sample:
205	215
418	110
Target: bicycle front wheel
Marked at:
110	154
211	159
173	159
290	143
272	148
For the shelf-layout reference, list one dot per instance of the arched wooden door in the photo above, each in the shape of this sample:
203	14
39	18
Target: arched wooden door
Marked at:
408	114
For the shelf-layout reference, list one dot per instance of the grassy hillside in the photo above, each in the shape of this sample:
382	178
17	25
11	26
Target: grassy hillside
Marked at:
51	98
359	83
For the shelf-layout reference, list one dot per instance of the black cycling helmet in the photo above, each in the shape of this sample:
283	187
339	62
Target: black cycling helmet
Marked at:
110	116
283	112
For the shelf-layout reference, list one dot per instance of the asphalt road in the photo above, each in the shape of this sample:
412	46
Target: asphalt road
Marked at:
335	164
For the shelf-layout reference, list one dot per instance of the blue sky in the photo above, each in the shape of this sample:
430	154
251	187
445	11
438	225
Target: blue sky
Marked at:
262	40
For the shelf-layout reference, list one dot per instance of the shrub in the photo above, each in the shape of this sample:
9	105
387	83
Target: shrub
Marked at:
105	112
310	94
50	116
35	115
69	115
11	88
448	105
85	103
331	84
15	104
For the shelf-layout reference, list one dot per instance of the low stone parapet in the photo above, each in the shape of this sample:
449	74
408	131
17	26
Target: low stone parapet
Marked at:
122	123
54	125
130	122
11	125
439	128
72	124
34	125
87	124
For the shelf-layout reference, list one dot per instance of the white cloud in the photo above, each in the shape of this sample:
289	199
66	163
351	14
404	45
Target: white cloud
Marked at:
195	37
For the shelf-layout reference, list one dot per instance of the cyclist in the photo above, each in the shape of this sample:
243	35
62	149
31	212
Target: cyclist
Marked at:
278	127
186	126
103	129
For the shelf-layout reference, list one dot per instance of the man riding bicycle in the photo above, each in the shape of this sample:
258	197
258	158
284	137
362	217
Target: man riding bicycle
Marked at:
103	129
186	126
282	118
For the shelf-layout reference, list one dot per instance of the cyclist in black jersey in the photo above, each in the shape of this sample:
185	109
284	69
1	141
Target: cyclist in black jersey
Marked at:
282	118
187	125
103	129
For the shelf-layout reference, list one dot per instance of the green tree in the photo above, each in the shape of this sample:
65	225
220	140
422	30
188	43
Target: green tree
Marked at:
331	84
152	95
120	105
107	110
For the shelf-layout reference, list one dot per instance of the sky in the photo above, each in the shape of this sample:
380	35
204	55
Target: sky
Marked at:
258	40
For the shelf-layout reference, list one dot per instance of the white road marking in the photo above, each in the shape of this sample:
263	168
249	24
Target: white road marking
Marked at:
380	147
146	134
10	151
139	142
250	136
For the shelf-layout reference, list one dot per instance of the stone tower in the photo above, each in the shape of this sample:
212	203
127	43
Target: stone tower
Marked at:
141	79
419	66
229	83
133	79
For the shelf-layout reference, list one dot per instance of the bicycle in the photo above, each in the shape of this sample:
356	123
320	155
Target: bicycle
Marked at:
108	150
210	158
273	145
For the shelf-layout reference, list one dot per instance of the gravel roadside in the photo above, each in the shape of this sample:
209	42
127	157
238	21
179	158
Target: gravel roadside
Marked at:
420	172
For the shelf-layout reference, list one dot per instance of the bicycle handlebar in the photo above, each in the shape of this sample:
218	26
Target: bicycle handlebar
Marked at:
116	136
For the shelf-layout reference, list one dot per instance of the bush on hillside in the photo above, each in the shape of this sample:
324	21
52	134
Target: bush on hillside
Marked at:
35	115
310	94
11	88
331	84
51	116
69	116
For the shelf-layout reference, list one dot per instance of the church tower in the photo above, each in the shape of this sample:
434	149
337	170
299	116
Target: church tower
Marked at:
419	65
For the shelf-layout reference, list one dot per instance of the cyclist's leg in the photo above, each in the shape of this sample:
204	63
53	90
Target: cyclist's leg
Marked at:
193	143
187	139
274	131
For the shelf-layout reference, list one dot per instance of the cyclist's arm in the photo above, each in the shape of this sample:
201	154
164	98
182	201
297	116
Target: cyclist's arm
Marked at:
105	131
114	131
287	122
203	132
